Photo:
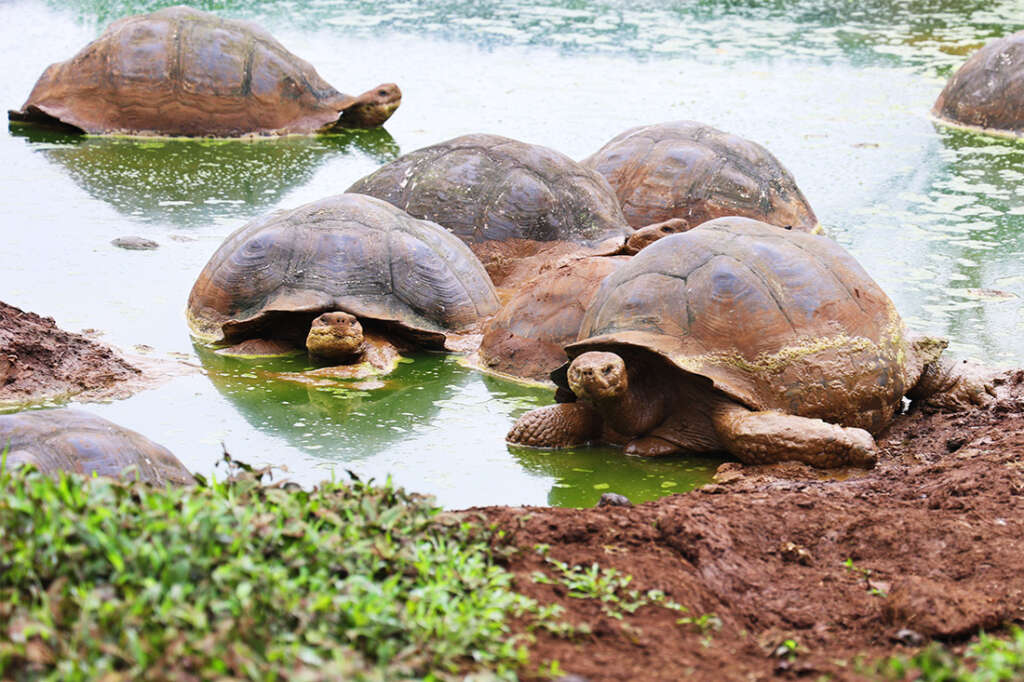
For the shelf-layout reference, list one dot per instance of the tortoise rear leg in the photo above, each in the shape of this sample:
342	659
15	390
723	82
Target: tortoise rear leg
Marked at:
769	437
557	426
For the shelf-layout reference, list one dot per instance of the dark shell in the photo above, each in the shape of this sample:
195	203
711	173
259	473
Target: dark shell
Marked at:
988	90
347	252
776	319
526	338
487	187
695	172
78	442
180	71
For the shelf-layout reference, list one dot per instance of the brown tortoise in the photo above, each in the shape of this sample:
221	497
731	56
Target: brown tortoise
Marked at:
79	442
694	172
519	206
526	339
987	92
180	71
317	275
740	337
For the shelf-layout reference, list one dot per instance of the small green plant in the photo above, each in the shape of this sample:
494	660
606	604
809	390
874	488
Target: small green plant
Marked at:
987	660
866	574
610	587
236	578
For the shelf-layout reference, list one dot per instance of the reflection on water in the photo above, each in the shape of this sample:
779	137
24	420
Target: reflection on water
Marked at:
922	33
431	409
188	181
341	423
960	219
581	476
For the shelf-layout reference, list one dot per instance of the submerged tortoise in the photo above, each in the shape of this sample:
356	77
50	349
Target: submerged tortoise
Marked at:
320	273
737	336
987	92
78	442
694	172
180	71
508	200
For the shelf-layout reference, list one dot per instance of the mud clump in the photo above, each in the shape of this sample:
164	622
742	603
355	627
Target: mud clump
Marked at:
38	360
806	573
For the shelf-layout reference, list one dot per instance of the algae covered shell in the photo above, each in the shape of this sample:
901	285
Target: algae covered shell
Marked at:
183	72
348	252
775	319
692	171
987	92
492	188
78	442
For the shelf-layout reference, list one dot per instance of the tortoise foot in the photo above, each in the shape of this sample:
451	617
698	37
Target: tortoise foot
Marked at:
556	426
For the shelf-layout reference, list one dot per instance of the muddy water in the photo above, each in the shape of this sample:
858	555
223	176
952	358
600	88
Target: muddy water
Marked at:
838	91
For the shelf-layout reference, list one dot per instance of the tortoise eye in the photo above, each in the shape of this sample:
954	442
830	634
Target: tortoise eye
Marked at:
606	371
382	93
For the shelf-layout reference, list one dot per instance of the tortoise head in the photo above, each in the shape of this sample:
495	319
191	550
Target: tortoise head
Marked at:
598	376
371	108
645	236
335	337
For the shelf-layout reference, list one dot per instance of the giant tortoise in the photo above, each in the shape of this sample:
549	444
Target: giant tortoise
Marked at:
740	337
520	207
987	92
693	172
319	274
78	442
183	72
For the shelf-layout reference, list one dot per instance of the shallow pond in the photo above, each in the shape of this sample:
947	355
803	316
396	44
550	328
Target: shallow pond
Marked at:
840	92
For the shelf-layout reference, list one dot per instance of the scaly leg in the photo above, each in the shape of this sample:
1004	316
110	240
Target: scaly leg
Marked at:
769	437
557	426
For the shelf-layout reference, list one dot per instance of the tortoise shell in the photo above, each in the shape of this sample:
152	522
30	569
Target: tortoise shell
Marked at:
180	71
347	252
78	442
695	172
988	90
492	188
526	339
775	319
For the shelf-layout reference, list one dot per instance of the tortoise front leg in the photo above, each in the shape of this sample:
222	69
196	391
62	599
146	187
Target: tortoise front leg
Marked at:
953	385
769	437
557	426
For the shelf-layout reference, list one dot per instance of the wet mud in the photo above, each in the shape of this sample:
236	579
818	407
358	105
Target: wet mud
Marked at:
39	361
847	566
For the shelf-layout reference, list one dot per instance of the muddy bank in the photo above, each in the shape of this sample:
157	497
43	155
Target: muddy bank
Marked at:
38	361
928	545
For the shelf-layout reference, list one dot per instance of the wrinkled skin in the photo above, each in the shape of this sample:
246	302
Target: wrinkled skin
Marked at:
654	409
337	338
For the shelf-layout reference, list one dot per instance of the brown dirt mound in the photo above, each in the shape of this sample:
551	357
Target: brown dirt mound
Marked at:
930	541
38	360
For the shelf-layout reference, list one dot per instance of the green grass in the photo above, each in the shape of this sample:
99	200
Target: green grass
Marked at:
240	579
987	660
